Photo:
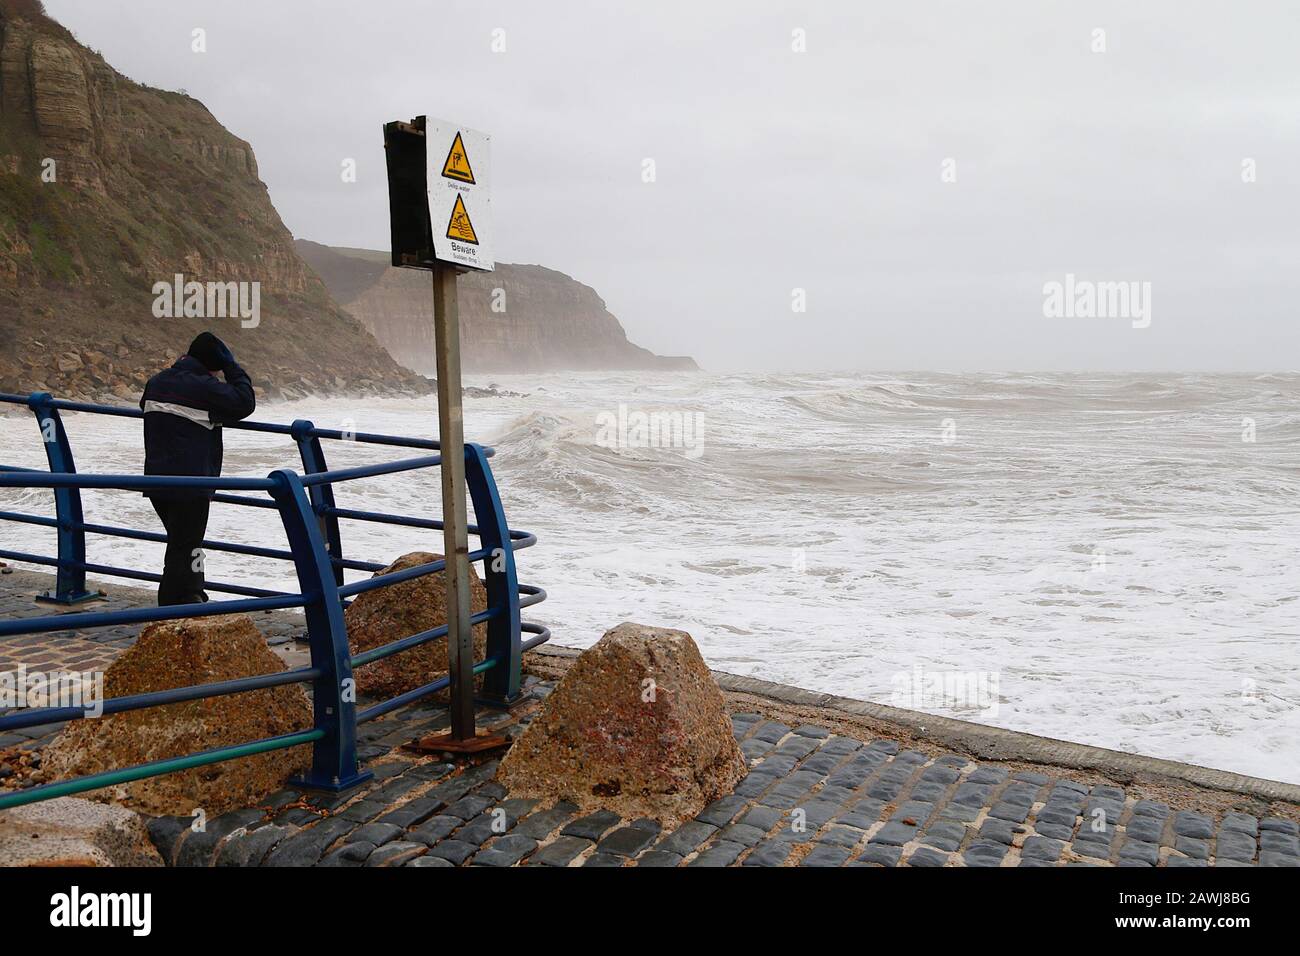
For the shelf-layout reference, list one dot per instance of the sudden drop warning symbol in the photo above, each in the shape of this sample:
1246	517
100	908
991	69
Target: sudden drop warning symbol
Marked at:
458	226
457	164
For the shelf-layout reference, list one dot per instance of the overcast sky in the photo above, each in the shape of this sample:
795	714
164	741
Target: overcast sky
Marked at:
821	170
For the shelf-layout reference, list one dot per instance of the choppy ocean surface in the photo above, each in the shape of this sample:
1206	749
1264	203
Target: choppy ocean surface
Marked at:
1110	559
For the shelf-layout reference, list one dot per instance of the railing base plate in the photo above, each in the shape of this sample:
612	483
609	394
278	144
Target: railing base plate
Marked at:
333	786
446	744
85	596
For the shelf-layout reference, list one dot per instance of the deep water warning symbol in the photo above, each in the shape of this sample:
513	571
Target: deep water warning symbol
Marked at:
457	165
459	227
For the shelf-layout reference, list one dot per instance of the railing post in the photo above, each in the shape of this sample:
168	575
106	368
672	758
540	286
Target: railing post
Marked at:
322	496
334	757
500	683
71	579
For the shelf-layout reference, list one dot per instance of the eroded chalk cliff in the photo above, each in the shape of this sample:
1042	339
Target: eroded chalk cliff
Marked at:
108	187
520	318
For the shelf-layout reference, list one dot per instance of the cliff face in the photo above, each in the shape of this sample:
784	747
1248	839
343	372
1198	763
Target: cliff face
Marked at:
520	318
108	187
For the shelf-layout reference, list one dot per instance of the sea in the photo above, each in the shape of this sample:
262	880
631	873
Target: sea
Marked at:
1107	559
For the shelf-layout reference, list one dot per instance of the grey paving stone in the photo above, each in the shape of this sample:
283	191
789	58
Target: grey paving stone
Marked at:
1235	845
825	855
541	823
817	733
166	834
957	813
428	860
984	853
721	812
1240	822
1000	831
987	775
889	747
741	833
1149	808
687	838
562	851
306	847
375	833
972	795
627	841
396	854
940	774
762	817
945	836
797	746
1147	853
885	790
469	806
753	749
251	848
1182	861
1108	793
411	813
1280	825
1274	858
1011	812
1056	814
1277	842
881	854
718	854
754	784
592	826
928	792
924	856
770	731
457	851
1041	848
505	850
435	829
604	859
363	811
841	836
1055	831
895	834
770	853
200	848
349	854
913	810
822	763
660	858
1147	828
1189	846
482	828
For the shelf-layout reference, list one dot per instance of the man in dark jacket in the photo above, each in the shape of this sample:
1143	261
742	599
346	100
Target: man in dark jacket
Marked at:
184	409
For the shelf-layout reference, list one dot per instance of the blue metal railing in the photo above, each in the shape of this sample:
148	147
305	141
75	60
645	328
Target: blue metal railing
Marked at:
307	510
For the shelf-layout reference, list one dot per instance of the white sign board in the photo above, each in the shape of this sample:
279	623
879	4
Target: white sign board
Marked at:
460	187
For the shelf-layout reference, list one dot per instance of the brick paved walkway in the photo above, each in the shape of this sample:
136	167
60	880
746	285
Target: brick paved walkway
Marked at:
813	797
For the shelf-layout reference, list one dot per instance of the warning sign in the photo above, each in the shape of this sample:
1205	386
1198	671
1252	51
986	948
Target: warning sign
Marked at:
460	201
459	226
457	163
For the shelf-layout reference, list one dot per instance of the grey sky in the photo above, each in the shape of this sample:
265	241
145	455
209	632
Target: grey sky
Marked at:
819	170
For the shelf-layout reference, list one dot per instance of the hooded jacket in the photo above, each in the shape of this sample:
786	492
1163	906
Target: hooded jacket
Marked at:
184	409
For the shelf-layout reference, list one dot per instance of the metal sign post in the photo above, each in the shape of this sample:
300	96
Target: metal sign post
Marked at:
439	205
451	441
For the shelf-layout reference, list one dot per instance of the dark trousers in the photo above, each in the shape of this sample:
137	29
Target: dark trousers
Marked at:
186	523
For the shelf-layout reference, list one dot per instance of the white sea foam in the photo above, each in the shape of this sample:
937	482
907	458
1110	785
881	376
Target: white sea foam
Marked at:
1107	545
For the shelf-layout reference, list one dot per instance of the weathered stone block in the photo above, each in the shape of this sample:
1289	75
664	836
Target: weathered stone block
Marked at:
636	726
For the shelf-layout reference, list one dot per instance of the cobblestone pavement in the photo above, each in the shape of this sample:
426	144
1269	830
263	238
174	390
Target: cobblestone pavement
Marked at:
812	798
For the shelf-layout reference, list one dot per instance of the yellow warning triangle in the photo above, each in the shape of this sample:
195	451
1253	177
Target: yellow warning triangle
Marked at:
459	226
457	164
